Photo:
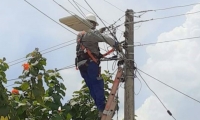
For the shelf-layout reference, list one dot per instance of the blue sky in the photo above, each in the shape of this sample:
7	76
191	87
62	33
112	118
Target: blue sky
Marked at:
23	28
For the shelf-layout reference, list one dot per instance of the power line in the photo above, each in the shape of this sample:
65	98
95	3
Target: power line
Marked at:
168	8
44	53
57	45
140	88
115	6
13	79
9	85
101	20
59	48
183	39
49	17
169	86
159	18
156	96
70	12
87	10
67	67
44	50
18	62
77	9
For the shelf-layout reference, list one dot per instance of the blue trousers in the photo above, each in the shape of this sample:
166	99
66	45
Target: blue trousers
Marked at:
90	72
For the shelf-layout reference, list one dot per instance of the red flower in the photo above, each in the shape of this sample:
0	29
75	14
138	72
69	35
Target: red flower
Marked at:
15	92
26	66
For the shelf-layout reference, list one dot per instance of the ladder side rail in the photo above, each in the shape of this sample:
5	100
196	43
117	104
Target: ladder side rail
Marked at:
113	92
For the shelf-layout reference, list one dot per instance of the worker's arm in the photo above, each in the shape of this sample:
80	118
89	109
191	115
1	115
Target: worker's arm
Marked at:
96	36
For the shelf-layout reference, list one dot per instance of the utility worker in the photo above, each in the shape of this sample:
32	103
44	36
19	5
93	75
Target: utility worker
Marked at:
89	68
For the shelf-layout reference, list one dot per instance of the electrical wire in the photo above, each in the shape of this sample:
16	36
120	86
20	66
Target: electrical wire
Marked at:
118	20
101	20
13	79
44	53
67	67
9	85
169	86
140	87
156	96
138	27
57	45
88	10
59	48
115	6
44	50
168	8
77	9
134	75
49	17
18	62
70	12
114	65
159	18
182	39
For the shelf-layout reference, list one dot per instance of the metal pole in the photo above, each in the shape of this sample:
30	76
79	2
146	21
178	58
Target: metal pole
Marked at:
129	112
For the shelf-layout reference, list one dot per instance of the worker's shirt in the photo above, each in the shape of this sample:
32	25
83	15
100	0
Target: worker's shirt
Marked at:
91	39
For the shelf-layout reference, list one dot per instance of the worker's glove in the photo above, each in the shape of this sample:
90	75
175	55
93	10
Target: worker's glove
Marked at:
101	30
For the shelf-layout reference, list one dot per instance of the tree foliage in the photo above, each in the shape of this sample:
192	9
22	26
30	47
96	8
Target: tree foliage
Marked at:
82	105
38	93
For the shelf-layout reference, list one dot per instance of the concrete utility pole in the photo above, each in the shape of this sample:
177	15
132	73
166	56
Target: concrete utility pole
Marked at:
129	112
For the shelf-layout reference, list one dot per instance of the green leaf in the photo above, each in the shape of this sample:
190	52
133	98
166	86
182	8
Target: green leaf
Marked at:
6	65
63	86
50	91
69	117
4	110
36	92
39	99
52	84
67	107
28	55
3	74
18	88
57	98
57	117
5	80
18	82
25	86
62	92
21	77
3	68
59	77
50	71
33	71
43	62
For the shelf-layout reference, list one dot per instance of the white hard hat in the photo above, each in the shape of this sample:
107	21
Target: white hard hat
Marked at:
91	17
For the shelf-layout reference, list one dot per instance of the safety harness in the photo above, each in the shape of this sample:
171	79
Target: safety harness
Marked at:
83	53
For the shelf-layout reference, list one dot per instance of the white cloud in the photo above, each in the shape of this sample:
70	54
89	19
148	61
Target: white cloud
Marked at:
176	64
72	81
